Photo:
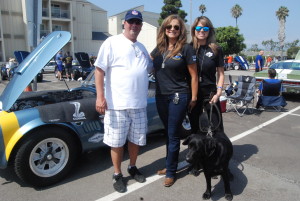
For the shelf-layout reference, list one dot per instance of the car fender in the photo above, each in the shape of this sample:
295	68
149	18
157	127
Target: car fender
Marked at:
15	126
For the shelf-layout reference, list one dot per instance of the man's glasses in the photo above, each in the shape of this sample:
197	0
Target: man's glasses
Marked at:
198	28
176	27
134	21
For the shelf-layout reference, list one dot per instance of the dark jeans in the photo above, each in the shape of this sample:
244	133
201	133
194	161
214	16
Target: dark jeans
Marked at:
172	116
203	93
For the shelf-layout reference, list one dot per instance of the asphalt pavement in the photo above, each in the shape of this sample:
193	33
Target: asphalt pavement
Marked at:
265	164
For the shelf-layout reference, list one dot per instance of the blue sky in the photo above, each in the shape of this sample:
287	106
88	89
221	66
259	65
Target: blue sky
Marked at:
257	23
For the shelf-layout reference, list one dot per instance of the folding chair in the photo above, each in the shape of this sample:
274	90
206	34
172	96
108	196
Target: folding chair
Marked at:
244	96
271	96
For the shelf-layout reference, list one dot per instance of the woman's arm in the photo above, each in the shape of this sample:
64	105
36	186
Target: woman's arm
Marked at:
194	85
220	78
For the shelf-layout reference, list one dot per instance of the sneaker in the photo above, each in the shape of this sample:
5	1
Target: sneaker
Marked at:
72	79
135	174
119	184
68	80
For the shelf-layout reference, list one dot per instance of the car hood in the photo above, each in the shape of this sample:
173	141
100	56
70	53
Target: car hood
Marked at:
31	66
283	74
83	59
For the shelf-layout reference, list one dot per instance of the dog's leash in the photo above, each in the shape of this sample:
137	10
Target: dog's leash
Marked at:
210	128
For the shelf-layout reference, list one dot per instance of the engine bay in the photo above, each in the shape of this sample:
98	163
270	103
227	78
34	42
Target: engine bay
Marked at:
39	98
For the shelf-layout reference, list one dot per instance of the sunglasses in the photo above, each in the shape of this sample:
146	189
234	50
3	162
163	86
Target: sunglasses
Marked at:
134	21
176	27
198	28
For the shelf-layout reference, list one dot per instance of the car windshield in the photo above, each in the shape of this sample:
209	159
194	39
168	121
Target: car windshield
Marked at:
286	65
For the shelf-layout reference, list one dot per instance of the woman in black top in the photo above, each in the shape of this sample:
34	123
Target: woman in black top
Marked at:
176	86
210	62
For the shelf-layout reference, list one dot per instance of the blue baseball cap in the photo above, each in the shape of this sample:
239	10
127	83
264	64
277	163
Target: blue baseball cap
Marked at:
133	14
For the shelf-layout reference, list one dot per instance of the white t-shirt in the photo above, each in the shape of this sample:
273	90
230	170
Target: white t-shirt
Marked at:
126	66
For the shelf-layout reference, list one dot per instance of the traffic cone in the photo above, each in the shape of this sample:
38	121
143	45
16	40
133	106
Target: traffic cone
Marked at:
28	88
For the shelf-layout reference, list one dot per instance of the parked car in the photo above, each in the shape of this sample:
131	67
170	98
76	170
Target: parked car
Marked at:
84	67
240	63
50	67
288	71
43	132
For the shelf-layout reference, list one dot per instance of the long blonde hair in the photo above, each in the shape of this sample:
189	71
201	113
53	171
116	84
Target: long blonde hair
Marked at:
162	39
211	39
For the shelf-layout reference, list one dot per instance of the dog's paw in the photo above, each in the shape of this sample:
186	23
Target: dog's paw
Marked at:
206	196
228	197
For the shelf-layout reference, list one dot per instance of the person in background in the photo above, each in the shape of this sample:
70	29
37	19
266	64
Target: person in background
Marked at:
210	64
125	63
175	67
68	66
259	61
230	60
269	60
59	62
271	74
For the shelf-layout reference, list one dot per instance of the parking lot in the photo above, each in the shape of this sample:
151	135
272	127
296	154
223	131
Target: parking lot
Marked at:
265	164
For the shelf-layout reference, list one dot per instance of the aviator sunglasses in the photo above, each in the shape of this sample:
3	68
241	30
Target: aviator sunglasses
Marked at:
198	28
134	21
176	27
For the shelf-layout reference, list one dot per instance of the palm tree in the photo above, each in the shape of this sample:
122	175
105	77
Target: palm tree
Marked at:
282	13
236	12
202	9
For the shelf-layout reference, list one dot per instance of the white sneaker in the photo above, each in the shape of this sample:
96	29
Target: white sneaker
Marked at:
72	79
68	80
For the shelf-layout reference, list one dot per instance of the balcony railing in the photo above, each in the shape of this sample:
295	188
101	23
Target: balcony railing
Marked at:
59	13
45	12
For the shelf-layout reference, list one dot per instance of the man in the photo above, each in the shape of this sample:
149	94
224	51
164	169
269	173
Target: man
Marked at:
59	63
259	61
125	63
68	66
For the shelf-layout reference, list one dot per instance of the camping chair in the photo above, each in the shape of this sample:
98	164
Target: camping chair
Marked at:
244	95
271	96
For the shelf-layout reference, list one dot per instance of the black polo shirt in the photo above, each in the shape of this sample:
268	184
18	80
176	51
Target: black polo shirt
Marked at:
173	76
207	62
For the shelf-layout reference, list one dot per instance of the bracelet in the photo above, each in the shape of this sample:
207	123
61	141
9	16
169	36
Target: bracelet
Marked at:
218	87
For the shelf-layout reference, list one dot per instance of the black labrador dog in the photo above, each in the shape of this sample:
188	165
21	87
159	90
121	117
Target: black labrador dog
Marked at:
212	153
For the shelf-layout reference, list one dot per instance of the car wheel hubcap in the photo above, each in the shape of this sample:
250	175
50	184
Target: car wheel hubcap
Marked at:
49	157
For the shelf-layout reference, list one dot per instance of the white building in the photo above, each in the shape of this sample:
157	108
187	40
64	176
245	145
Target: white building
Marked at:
86	22
149	30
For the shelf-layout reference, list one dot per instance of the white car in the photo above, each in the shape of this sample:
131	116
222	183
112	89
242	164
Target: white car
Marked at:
50	67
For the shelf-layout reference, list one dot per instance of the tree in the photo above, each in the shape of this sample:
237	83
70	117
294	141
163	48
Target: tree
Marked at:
230	40
254	48
171	7
202	9
236	12
270	44
292	51
281	14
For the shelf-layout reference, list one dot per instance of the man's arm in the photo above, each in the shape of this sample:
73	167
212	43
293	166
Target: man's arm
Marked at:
101	104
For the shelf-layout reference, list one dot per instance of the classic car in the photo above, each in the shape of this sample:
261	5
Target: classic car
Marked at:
43	132
84	68
288	71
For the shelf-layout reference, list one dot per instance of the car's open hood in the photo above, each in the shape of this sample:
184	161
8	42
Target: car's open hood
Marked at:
83	59
31	66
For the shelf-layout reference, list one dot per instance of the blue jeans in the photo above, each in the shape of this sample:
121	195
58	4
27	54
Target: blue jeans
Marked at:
172	116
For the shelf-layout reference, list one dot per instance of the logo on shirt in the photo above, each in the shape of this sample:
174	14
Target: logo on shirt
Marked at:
177	57
209	54
194	57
